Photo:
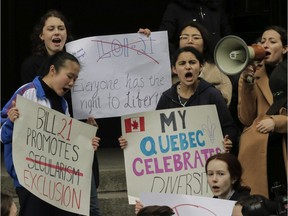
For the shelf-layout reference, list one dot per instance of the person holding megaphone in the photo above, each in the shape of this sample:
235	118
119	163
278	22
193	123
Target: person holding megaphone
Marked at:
262	146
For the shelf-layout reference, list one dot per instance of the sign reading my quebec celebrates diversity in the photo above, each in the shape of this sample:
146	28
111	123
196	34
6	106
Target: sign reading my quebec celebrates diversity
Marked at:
53	156
167	150
120	74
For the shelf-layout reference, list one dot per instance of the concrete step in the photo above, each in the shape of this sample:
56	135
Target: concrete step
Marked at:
112	191
112	170
115	204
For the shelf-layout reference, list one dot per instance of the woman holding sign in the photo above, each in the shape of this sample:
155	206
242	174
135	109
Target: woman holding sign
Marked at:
191	90
62	71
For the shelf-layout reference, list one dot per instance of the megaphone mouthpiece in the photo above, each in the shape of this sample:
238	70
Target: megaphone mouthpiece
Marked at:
238	55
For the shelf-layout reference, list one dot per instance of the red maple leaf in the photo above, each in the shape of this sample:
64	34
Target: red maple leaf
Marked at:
135	125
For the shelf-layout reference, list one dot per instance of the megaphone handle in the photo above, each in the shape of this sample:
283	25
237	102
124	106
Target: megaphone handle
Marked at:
249	77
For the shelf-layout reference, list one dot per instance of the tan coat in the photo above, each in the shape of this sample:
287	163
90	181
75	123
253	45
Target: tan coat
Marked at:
253	103
221	81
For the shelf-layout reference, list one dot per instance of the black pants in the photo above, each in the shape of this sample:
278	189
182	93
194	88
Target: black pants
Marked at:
275	164
30	205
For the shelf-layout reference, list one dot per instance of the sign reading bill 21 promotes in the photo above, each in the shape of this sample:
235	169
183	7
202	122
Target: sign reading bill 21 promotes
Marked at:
167	150
53	155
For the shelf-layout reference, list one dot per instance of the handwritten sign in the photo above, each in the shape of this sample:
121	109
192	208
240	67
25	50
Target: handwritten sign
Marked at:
168	149
53	156
184	205
121	74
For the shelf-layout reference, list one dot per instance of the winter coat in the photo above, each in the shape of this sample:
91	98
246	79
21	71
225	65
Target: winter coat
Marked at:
34	92
253	102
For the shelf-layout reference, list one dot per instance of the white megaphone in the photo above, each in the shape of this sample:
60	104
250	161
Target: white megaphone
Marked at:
232	55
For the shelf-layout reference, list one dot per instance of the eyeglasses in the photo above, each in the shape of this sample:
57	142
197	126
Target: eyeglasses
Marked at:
192	37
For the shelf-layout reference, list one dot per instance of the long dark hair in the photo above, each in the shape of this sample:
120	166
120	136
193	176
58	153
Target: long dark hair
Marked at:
234	168
208	48
38	47
283	35
155	210
58	60
194	51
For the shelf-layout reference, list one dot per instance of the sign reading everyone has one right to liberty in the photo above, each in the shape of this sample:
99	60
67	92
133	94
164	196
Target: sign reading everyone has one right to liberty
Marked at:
167	150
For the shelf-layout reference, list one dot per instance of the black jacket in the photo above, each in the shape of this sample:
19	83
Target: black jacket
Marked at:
238	195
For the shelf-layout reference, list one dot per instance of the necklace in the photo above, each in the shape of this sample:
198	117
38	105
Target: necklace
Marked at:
182	100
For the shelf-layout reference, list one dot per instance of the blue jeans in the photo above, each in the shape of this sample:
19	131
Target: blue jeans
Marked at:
94	208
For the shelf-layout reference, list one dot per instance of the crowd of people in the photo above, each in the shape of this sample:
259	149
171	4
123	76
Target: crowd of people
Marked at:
255	154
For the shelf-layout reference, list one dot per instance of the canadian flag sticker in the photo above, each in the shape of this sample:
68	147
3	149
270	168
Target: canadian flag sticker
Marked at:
134	124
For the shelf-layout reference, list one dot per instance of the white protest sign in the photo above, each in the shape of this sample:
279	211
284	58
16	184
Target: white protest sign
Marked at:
184	205
167	150
53	155
121	74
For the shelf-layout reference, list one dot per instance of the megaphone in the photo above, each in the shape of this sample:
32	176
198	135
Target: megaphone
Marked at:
232	55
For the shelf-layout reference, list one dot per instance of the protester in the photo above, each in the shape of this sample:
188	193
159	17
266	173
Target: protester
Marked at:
224	173
59	76
49	36
192	90
209	13
263	146
8	206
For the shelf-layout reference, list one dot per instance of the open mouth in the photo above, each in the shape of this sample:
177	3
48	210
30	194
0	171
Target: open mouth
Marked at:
66	89
188	75
56	40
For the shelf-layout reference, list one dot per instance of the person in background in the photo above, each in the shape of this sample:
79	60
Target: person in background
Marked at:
8	206
48	37
60	74
155	211
195	35
254	205
209	13
263	142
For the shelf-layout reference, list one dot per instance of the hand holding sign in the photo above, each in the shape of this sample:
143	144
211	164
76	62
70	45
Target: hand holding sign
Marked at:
167	151
53	156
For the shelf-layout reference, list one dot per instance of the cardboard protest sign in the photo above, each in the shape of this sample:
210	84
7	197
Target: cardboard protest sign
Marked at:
53	156
184	205
120	74
167	150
